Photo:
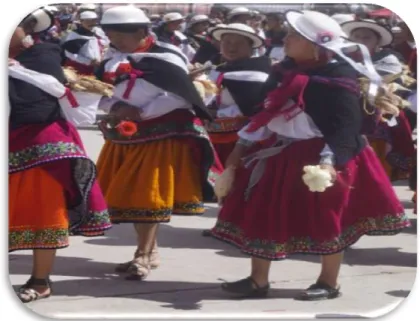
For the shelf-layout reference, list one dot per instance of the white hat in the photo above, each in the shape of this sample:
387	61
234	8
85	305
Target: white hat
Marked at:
220	25
172	16
343	17
88	15
239	11
315	26
239	29
87	6
124	15
44	18
386	36
52	9
327	33
198	18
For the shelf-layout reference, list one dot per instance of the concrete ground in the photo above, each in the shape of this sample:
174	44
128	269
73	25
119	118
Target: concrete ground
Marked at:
377	274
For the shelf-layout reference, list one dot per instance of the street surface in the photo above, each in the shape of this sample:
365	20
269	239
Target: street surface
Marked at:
377	274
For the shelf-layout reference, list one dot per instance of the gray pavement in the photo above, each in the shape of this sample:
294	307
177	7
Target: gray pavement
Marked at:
378	273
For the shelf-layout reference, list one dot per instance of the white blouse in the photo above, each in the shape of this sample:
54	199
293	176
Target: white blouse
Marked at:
228	107
150	99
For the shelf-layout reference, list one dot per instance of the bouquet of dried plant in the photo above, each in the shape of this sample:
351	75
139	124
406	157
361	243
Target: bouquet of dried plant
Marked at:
87	83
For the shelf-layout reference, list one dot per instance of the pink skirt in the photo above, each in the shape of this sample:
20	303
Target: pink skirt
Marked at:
281	216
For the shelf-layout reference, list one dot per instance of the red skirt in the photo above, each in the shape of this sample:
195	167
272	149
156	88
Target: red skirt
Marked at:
281	216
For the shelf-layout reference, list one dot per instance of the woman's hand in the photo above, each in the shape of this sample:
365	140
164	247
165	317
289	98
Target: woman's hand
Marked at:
95	63
122	110
330	169
13	62
235	158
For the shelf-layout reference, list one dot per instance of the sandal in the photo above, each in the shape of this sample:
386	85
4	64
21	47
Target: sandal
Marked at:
154	260
319	291
246	288
139	268
27	294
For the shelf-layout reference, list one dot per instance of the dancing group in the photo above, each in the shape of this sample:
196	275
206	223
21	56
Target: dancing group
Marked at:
166	144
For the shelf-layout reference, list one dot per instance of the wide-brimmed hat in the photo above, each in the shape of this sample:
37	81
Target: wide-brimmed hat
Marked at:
325	32
343	17
385	35
52	9
87	6
198	18
44	20
316	27
238	12
124	15
88	15
239	29
172	16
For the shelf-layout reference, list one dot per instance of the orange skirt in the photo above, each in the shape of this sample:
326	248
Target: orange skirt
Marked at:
37	211
148	182
380	147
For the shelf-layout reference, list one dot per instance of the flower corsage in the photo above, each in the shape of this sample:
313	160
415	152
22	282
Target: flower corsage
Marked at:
316	178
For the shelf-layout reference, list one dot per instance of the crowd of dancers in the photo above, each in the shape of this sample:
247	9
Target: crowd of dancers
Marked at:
259	99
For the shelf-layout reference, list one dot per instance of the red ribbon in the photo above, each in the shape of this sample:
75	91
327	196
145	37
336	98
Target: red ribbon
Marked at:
292	87
70	97
219	81
134	74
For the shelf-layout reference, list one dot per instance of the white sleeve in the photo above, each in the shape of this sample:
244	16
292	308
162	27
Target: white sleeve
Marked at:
91	50
106	103
259	135
78	58
188	51
152	100
164	104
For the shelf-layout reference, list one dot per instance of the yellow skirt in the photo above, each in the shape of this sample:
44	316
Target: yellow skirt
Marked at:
37	211
148	182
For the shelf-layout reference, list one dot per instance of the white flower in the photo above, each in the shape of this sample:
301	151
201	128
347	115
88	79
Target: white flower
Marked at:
28	41
316	178
224	183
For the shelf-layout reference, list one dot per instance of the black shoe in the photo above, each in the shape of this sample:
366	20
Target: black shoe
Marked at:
319	291
246	288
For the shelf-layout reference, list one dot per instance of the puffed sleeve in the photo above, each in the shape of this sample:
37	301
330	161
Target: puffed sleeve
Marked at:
338	115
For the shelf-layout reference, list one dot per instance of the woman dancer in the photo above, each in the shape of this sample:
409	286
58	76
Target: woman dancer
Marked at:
312	116
157	154
392	143
52	186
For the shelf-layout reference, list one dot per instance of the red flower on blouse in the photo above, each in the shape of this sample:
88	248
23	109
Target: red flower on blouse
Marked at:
123	68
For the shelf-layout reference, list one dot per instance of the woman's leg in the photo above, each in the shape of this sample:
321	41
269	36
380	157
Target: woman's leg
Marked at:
326	287
43	261
330	269
146	241
260	270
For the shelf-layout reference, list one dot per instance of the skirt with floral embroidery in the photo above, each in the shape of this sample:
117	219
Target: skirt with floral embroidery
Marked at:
53	190
281	216
159	171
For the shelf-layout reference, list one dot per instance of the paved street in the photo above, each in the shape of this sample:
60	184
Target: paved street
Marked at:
378	273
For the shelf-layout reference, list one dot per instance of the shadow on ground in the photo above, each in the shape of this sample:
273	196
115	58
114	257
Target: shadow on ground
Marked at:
167	293
187	238
169	237
399	293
